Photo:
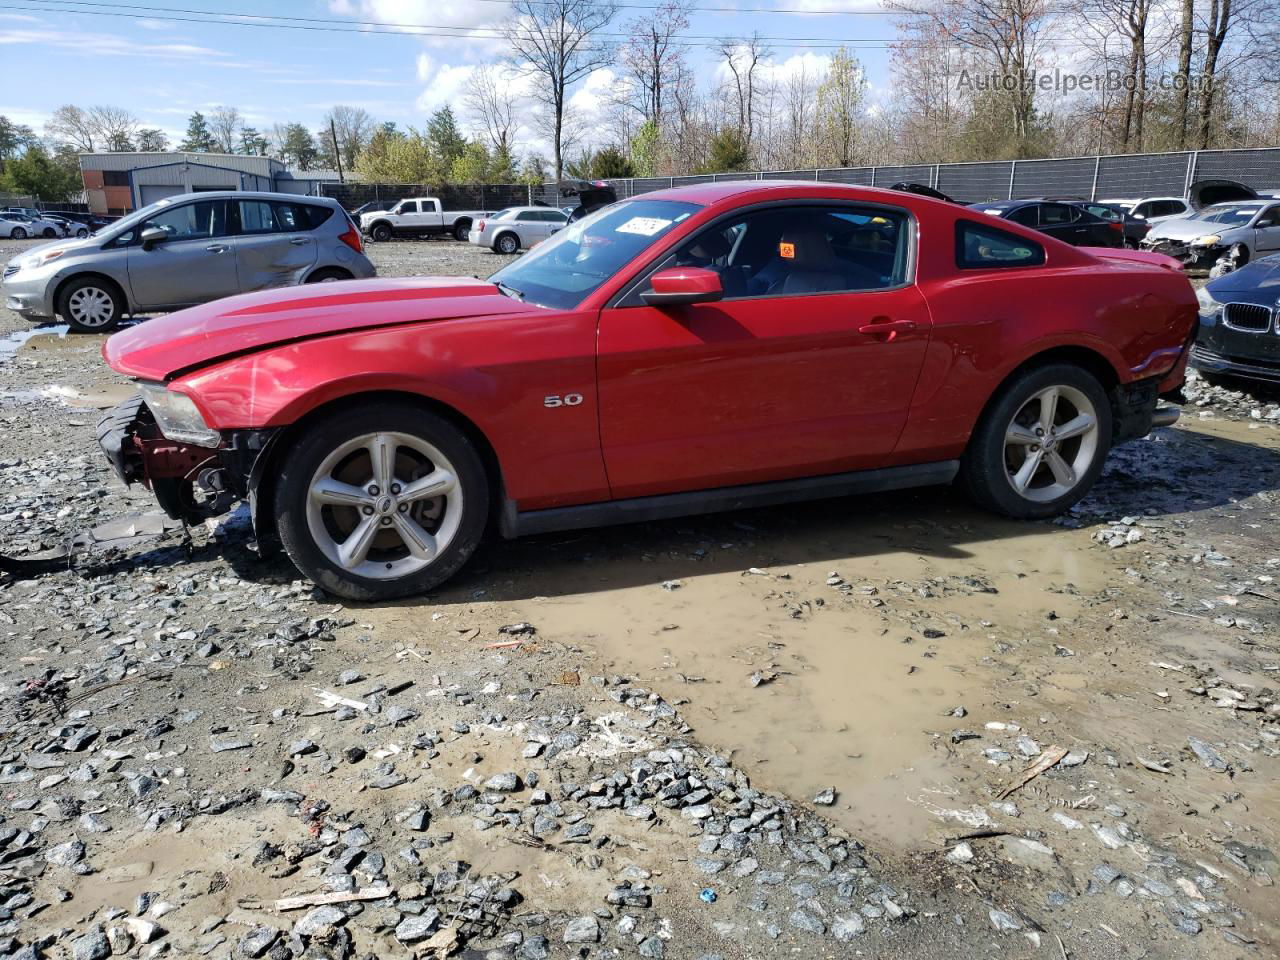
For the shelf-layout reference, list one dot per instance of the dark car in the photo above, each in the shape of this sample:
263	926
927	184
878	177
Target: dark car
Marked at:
591	194
1068	222
1135	228
1239	313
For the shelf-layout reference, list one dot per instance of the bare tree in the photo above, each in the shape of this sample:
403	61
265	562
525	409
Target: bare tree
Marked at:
494	106
74	127
799	97
560	43
743	57
117	127
651	59
1182	110
840	107
225	123
354	126
1007	36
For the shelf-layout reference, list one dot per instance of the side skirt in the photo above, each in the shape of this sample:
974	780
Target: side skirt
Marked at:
640	509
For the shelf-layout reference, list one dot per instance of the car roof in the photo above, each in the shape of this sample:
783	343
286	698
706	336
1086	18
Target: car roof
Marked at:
248	195
710	194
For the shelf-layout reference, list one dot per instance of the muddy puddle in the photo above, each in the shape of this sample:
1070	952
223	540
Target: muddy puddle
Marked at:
11	344
839	667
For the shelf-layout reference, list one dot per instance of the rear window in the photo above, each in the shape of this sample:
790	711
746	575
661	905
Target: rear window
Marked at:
301	216
981	247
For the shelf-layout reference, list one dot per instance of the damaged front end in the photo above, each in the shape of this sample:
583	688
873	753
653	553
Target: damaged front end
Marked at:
157	438
1199	254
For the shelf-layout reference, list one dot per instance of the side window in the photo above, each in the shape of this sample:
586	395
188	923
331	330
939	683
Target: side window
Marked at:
1269	217
1106	213
409	206
191	221
1027	216
292	217
1143	210
1057	214
256	216
982	247
551	216
793	251
528	215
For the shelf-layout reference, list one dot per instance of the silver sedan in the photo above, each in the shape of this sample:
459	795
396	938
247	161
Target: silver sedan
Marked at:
183	251
517	228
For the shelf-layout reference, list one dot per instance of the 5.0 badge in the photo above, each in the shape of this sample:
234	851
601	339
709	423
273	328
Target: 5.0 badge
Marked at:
568	400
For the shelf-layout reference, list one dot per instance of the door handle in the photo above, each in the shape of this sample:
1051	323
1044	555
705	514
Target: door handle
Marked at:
889	329
300	241
216	248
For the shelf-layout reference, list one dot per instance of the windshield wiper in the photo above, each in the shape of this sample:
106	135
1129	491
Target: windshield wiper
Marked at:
507	290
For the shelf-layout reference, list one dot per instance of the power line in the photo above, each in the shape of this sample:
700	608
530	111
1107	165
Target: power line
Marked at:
322	25
438	30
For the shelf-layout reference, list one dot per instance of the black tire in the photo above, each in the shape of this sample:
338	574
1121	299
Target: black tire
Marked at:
462	231
328	274
381	232
82	233
18	233
303	459
507	243
50	233
984	469
86	287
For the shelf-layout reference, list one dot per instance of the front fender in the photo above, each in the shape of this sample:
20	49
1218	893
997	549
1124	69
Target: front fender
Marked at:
494	372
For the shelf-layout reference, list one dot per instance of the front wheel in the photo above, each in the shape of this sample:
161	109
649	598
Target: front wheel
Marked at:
382	233
18	233
90	305
380	501
50	233
82	233
328	275
1041	445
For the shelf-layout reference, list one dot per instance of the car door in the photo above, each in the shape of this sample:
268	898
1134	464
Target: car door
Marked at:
1266	231
193	264
1063	221
806	367
273	244
528	226
406	218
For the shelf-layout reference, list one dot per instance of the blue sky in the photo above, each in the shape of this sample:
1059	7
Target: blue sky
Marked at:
164	67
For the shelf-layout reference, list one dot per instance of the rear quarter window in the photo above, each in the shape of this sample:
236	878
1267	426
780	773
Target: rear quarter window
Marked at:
980	247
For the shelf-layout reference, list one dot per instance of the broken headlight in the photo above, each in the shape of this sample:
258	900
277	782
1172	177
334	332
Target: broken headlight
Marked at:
1209	307
177	416
1212	240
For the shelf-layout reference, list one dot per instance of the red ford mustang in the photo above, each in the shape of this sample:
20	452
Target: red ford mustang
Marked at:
697	349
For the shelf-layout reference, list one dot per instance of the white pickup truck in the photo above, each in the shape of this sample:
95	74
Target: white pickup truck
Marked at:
419	217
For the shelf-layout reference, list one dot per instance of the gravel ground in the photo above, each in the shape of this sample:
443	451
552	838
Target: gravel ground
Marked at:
798	731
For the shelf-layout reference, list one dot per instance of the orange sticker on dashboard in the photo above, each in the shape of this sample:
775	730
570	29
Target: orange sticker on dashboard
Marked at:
787	250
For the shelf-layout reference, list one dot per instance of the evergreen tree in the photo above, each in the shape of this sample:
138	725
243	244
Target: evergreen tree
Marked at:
198	139
299	147
152	140
252	143
445	139
39	175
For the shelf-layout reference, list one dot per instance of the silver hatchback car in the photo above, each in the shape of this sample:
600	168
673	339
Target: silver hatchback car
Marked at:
186	250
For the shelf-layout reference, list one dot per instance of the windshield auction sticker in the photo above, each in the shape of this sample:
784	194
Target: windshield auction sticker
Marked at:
644	226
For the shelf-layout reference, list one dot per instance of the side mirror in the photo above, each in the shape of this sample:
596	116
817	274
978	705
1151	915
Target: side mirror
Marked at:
151	236
675	286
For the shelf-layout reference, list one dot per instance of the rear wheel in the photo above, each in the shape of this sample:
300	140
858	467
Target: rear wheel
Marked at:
382	232
1041	445
382	500
328	275
508	243
90	305
462	231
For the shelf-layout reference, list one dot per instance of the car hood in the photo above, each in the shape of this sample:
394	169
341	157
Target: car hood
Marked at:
72	244
1261	277
1207	193
189	339
1186	230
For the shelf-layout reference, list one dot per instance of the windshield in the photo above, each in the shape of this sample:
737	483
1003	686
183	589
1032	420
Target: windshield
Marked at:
1236	216
135	217
568	268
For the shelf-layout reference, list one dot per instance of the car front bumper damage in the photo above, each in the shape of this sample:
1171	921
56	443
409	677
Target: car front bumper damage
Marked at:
1192	256
191	483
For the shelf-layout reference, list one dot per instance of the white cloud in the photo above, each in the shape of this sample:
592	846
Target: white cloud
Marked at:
446	87
107	45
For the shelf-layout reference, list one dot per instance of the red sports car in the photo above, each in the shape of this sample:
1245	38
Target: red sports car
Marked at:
698	349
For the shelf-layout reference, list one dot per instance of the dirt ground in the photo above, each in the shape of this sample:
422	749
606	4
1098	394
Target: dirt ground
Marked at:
859	687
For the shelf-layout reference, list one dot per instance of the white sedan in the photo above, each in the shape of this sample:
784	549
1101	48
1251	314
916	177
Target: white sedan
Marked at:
19	226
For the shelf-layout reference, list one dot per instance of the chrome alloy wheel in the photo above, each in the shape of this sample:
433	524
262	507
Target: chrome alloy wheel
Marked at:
91	307
384	505
1051	443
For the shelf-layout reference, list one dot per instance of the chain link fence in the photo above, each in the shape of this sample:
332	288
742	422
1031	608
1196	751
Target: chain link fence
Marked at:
1093	178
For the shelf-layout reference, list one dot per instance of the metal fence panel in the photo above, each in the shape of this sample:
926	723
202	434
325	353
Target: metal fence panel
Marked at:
859	176
1054	178
1142	175
1258	168
790	175
975	182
